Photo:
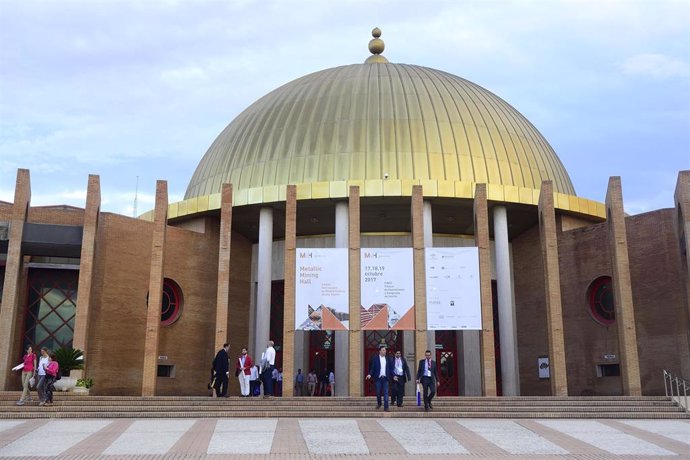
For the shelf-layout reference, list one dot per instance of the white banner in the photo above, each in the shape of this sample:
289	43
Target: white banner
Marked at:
321	289
453	300
387	282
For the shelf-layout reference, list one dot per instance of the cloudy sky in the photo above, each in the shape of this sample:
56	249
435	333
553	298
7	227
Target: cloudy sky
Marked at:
128	89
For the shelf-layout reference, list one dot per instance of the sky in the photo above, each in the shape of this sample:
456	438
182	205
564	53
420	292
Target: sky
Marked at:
136	91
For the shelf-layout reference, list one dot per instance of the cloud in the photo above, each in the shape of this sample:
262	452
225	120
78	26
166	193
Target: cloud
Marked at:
656	66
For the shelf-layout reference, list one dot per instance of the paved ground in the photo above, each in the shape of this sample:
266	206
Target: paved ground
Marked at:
345	438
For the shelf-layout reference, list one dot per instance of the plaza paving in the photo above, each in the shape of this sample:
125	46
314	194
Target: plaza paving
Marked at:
348	438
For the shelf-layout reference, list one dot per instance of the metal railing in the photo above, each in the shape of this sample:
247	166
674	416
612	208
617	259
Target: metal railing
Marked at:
677	389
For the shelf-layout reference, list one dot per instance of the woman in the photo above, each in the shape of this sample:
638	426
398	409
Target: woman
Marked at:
28	371
52	370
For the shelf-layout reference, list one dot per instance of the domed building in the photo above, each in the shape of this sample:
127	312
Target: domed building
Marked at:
570	296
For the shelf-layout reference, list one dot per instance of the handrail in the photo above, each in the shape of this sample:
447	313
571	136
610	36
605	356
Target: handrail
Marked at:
680	385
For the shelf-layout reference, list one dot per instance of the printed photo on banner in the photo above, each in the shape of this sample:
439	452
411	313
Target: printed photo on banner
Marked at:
453	300
321	289
387	284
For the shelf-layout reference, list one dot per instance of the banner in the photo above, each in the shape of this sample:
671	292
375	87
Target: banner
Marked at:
387	283
453	300
321	290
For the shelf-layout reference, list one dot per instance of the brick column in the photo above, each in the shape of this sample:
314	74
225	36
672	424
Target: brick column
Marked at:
481	238
289	300
356	377
552	285
86	269
622	289
224	245
153	312
12	285
420	343
682	200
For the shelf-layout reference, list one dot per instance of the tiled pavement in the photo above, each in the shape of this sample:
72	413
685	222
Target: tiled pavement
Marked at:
345	438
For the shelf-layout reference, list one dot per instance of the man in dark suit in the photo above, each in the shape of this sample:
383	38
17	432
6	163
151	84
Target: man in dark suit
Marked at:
221	367
381	370
401	375
427	376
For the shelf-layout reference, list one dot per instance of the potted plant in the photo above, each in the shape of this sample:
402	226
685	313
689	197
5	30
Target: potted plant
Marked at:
68	359
83	386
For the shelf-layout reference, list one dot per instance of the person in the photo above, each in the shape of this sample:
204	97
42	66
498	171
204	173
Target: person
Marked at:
381	370
427	376
243	371
221	366
268	364
28	371
254	382
311	382
274	378
299	383
279	387
323	382
41	385
331	382
52	370
401	375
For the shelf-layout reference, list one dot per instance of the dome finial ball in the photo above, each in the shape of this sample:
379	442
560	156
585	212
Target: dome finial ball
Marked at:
376	45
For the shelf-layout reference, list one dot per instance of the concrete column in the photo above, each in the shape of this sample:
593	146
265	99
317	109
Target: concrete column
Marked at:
223	290
481	238
429	243
622	289
419	271
356	377
342	341
86	268
263	278
289	298
506	316
552	285
153	312
12	285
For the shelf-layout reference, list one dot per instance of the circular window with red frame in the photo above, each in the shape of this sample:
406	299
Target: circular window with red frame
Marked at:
600	299
171	304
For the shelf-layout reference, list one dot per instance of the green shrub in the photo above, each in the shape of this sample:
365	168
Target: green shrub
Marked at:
69	359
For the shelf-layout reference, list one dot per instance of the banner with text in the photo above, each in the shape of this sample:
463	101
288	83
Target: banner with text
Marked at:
453	300
387	289
321	289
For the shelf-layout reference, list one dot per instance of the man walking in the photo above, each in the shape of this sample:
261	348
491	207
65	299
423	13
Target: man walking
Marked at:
221	366
426	374
267	365
243	370
401	375
299	383
381	370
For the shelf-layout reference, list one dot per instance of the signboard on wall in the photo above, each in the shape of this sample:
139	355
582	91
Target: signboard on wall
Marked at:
453	298
387	284
321	289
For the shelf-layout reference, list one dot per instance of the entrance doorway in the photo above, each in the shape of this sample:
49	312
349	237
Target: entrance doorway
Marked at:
447	362
372	340
321	357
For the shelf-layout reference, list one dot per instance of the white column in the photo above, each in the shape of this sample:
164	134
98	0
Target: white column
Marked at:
429	243
342	338
263	278
506	316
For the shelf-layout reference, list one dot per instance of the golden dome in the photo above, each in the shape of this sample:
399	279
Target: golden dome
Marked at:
365	123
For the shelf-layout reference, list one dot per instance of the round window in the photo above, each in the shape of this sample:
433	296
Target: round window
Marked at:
601	304
171	304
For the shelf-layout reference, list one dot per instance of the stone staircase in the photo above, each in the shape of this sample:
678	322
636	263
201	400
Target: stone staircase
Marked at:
68	405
